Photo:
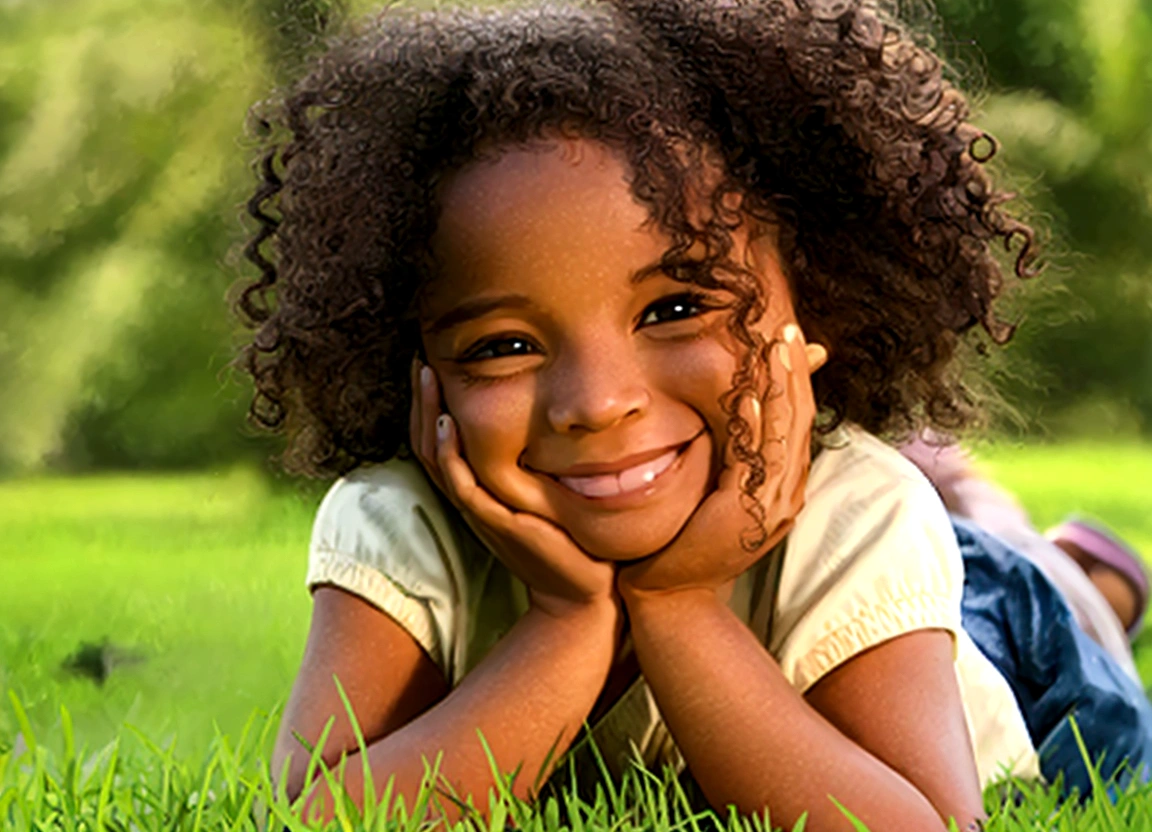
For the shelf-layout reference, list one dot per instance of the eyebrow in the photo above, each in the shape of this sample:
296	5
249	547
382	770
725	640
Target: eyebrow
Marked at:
646	272
471	309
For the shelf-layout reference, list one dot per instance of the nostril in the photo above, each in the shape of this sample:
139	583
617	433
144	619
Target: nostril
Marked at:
588	414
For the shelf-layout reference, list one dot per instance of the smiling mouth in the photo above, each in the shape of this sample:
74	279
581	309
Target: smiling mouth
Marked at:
636	478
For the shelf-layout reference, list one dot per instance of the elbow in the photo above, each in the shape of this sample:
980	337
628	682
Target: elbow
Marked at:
287	776
301	793
309	799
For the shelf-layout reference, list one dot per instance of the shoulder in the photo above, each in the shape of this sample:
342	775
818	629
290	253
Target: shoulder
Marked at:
377	494
854	462
389	517
382	533
872	555
860	489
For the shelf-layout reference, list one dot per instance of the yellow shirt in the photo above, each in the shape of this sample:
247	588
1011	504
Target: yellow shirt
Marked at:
872	556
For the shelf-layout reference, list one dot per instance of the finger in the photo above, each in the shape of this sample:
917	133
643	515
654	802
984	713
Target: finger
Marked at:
798	431
460	482
430	413
744	435
772	410
414	410
817	355
425	408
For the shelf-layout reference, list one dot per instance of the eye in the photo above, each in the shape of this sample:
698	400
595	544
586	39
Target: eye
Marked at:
499	347
676	308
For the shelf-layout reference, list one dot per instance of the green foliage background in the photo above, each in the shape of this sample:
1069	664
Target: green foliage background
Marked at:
123	164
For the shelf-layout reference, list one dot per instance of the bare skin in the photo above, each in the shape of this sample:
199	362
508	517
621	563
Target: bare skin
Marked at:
1116	589
571	412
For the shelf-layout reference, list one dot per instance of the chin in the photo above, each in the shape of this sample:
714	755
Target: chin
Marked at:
630	541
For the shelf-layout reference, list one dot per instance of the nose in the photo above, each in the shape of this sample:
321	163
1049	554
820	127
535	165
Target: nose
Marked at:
595	391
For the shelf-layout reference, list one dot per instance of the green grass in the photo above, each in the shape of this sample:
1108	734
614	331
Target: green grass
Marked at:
1112	483
200	577
133	785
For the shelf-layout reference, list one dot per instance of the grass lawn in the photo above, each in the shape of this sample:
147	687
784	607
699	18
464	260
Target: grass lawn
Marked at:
196	581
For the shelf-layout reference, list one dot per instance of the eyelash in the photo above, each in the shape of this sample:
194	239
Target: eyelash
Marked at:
476	352
698	303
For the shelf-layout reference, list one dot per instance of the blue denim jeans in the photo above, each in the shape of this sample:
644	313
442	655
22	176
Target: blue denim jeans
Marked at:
1021	622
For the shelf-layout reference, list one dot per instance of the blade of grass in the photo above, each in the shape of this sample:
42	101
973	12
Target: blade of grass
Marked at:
857	824
602	767
1105	811
202	794
22	721
542	774
69	736
335	783
314	758
368	809
106	786
244	810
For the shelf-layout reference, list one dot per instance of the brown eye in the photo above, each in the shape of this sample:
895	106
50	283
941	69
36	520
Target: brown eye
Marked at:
500	348
674	308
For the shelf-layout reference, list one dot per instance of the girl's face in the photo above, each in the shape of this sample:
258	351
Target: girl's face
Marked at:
582	393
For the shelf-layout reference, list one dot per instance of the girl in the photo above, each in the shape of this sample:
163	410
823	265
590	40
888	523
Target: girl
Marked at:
560	291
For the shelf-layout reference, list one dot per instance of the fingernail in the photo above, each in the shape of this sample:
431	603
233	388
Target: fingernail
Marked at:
425	375
756	409
442	427
785	358
791	333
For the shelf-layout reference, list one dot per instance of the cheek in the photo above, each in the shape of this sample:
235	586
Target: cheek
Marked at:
702	372
699	375
493	421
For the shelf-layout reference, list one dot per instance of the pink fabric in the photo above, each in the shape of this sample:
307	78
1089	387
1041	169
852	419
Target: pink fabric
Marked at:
968	493
1110	551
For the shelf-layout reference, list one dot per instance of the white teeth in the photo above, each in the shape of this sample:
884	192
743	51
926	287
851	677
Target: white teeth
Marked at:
640	475
630	479
603	486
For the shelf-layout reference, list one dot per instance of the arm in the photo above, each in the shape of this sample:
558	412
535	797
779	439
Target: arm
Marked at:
887	736
884	734
530	693
528	696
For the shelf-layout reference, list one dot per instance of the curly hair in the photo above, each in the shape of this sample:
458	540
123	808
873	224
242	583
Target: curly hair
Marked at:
824	117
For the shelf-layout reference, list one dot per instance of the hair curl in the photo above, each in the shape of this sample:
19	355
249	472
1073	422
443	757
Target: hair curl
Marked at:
823	116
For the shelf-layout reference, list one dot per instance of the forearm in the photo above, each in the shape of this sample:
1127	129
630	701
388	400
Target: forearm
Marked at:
528	698
748	737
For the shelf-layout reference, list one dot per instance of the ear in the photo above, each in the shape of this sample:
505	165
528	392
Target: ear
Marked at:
817	356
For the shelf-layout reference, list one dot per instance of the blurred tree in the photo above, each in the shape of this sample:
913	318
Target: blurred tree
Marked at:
122	170
122	166
119	168
1070	96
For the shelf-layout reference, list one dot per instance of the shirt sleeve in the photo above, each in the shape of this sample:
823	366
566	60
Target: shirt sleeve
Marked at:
381	534
872	556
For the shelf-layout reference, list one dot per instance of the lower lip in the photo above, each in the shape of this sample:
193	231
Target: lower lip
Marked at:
630	499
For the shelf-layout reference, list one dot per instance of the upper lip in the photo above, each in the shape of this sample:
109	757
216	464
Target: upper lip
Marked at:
594	469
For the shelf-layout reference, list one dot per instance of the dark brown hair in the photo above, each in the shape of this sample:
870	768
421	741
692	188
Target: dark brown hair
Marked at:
825	118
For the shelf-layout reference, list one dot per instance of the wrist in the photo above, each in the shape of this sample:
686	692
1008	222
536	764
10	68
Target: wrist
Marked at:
587	611
636	597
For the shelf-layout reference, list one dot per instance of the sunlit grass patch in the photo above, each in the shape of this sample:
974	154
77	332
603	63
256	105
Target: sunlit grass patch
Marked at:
201	576
191	584
133	784
1109	483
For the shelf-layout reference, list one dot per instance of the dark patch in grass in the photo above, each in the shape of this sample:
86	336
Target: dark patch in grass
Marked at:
96	660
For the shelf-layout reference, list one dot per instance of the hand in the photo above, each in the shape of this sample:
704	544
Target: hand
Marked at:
721	539
560	576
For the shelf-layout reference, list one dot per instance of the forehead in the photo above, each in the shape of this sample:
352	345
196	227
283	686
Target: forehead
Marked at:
562	208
